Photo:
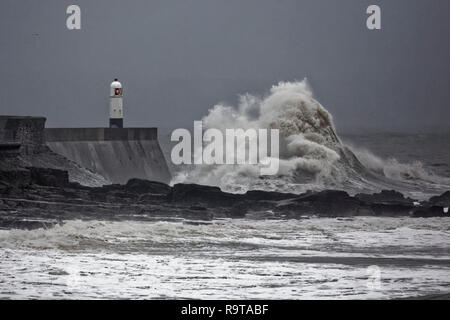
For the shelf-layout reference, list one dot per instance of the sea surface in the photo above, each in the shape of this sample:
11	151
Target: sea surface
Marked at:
430	149
362	258
310	258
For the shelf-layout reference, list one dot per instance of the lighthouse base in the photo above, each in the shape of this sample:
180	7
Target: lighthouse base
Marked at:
116	123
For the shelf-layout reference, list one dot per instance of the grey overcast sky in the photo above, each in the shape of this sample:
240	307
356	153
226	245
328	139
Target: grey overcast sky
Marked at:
177	58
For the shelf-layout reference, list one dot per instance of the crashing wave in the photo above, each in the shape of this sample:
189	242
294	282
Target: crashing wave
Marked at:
312	157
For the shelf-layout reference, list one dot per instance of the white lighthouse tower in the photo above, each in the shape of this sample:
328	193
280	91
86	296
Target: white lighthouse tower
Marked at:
116	105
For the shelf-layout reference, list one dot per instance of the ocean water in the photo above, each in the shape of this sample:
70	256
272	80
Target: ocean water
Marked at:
315	258
312	153
357	258
432	150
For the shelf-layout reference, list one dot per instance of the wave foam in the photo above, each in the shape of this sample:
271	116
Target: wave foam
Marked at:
312	157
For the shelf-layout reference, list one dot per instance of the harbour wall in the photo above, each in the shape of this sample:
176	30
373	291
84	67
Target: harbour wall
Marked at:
21	134
117	154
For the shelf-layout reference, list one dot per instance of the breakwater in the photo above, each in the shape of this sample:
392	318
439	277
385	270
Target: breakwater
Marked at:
118	154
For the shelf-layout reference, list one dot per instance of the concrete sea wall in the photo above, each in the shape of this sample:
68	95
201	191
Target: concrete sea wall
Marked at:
117	154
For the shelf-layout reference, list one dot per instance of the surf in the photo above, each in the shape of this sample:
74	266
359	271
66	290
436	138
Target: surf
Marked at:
311	155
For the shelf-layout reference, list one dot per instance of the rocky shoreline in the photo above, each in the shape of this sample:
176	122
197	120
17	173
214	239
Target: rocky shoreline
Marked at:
41	197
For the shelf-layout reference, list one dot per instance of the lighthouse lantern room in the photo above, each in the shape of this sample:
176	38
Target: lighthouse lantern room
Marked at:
116	105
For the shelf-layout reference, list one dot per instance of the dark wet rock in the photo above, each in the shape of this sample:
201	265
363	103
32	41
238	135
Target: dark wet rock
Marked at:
121	195
198	208
49	177
429	211
32	197
152	197
328	195
17	177
259	195
436	206
442	200
385	196
4	187
3	205
26	224
199	194
145	186
388	203
324	203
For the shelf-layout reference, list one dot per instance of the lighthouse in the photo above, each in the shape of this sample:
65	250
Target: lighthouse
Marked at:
116	105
